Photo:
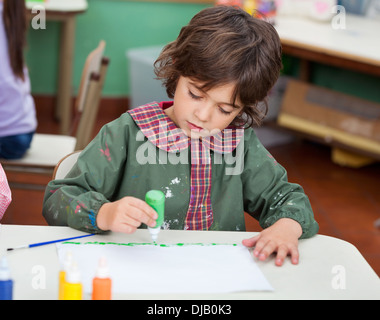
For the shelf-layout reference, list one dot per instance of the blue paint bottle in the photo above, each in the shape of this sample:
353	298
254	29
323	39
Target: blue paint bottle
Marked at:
6	283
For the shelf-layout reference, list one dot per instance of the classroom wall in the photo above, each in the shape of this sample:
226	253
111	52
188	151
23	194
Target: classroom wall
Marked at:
125	24
122	24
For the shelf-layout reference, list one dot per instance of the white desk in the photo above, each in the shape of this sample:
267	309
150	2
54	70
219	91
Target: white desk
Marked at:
60	5
311	279
356	47
64	11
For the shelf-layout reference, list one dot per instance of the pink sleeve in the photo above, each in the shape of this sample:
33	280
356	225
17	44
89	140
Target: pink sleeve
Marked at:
5	193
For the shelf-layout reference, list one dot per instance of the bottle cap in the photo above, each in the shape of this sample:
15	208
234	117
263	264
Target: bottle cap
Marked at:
73	274
154	233
67	261
102	271
5	273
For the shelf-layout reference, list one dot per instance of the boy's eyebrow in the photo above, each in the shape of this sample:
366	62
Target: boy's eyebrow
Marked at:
226	103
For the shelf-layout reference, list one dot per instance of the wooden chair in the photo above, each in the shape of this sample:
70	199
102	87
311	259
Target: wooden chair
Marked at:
47	149
65	164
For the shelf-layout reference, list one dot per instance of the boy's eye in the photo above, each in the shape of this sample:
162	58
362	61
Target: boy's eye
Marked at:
192	95
195	97
224	111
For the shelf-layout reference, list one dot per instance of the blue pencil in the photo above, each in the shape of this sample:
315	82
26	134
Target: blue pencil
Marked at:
48	242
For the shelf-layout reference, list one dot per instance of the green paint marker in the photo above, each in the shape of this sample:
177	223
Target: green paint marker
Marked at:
156	199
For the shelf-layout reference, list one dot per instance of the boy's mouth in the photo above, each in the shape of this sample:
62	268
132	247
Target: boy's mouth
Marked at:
194	127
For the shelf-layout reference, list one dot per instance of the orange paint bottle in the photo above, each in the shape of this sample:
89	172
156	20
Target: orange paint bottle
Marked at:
102	283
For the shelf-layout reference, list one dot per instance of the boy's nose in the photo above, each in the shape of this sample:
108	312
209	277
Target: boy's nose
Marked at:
203	113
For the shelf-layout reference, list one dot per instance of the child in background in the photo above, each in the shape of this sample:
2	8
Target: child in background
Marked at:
17	111
199	149
5	193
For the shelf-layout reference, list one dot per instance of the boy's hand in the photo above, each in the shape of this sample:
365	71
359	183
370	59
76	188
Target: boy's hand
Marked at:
125	215
281	237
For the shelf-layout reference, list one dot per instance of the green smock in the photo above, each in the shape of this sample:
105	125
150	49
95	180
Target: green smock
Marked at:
121	161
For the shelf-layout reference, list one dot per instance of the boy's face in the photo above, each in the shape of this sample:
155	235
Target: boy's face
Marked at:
202	113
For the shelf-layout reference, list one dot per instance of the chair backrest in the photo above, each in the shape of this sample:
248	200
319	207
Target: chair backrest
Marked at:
92	65
87	103
65	164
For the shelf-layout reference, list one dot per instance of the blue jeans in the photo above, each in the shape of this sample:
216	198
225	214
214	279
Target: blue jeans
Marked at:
14	147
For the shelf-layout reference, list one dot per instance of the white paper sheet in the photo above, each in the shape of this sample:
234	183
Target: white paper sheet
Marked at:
172	268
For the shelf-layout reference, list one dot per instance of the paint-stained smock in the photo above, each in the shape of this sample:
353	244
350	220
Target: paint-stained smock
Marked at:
127	158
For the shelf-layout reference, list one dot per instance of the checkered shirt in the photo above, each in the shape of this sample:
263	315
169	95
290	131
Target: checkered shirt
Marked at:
5	192
164	134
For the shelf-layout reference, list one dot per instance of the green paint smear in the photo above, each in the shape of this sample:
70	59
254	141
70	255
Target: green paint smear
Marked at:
164	245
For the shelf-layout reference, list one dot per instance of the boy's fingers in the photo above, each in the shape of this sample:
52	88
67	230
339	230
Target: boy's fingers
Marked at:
294	255
282	252
132	221
260	244
151	223
267	250
144	207
136	216
251	241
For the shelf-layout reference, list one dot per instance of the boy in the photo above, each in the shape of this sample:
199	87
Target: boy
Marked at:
198	149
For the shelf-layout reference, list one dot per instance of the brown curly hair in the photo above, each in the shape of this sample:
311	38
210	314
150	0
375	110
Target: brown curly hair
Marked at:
220	45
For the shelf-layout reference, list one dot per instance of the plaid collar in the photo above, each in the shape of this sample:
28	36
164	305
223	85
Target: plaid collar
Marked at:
164	134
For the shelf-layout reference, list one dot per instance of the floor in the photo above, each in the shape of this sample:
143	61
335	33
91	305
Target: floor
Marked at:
346	202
